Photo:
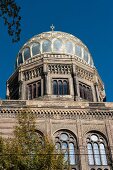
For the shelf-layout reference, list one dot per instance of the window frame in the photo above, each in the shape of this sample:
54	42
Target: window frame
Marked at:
100	140
70	140
37	88
58	87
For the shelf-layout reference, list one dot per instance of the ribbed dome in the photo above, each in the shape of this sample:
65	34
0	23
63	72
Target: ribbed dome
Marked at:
54	42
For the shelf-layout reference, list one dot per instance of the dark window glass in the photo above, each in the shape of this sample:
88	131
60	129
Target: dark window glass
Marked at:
26	53
39	89
85	92
34	90
60	87
20	59
55	87
65	88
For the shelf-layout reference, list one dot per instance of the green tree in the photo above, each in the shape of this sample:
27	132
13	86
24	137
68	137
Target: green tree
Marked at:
27	150
9	11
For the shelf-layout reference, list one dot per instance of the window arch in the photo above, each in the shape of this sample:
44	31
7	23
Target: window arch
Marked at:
46	46
35	48
96	148
66	143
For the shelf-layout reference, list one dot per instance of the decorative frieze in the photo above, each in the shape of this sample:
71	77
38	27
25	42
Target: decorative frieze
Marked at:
60	68
30	74
84	74
60	113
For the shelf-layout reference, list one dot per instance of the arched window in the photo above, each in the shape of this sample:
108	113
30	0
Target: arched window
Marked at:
27	53
86	56
66	143
46	46
55	87
85	92
60	87
35	49
69	47
65	87
20	59
33	90
96	146
57	46
78	51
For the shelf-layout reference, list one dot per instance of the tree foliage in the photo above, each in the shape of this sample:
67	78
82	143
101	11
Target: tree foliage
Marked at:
29	150
9	11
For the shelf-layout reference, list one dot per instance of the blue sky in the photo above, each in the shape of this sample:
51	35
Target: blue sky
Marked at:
89	20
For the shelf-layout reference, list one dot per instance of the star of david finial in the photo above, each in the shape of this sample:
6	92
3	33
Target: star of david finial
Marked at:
52	27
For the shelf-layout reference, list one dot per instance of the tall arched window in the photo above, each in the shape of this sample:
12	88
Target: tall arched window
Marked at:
67	144
65	87
20	59
46	46
86	58
27	53
69	47
55	87
96	147
78	51
57	46
35	48
60	87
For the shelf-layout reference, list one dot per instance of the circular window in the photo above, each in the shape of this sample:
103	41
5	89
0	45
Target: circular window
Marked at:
94	138
64	137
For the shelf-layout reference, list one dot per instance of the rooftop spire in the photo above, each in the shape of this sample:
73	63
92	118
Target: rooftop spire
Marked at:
52	27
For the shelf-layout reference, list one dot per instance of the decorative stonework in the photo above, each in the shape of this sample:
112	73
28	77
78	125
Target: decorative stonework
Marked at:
93	127
84	74
60	68
59	114
30	74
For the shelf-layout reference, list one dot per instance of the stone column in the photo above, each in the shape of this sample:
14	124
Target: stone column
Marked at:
109	130
45	83
81	145
75	84
71	86
96	92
